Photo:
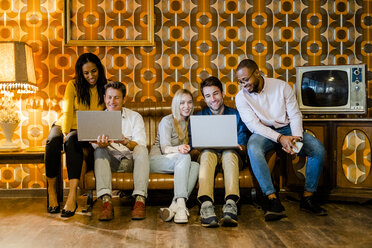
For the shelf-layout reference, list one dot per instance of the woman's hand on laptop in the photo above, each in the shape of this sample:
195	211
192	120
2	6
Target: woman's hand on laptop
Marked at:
184	148
103	141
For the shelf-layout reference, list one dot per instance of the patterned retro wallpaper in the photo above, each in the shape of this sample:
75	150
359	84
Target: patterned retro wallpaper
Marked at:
193	39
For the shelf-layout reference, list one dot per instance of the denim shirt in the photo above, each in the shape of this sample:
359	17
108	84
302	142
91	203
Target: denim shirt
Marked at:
241	128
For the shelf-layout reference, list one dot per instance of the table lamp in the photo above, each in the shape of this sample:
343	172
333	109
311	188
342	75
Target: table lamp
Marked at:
17	75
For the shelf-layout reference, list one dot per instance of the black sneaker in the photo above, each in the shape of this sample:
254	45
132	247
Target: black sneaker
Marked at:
309	204
229	214
207	215
274	210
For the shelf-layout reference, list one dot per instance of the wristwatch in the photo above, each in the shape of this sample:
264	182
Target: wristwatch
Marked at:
126	141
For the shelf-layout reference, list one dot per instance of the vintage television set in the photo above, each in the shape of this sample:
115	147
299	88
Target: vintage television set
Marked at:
332	89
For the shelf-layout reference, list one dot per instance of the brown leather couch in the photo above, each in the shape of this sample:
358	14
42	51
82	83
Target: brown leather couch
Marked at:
152	113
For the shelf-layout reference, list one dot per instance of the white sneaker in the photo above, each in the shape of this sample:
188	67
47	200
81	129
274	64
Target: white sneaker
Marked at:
167	214
182	216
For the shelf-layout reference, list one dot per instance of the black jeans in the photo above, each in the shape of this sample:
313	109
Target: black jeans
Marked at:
73	149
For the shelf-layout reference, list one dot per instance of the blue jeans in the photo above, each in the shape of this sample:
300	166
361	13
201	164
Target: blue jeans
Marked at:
258	146
185	171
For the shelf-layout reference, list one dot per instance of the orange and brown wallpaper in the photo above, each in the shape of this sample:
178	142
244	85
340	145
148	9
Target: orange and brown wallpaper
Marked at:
193	39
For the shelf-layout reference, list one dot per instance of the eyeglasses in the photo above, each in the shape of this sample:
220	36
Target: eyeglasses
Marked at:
244	82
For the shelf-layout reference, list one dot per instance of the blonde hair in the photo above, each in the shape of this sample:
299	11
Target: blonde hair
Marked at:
183	135
176	102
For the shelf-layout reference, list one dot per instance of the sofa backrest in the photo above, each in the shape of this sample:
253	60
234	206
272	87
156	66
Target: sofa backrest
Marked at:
152	114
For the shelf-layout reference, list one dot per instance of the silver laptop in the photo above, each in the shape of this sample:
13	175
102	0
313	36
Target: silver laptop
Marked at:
214	131
91	124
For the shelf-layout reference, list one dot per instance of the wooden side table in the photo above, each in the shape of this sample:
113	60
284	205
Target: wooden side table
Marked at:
22	157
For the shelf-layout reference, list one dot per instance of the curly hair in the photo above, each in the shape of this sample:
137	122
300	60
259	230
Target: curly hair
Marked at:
81	84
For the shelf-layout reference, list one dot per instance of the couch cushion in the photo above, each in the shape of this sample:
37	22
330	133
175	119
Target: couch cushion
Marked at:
124	181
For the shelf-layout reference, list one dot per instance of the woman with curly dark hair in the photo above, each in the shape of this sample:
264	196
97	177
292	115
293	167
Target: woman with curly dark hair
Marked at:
84	92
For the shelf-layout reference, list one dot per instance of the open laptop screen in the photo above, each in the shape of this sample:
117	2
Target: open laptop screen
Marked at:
214	131
91	124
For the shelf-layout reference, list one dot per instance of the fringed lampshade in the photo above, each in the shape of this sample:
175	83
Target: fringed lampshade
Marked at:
17	70
17	74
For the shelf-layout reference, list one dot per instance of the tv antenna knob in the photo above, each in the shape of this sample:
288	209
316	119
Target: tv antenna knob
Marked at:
357	88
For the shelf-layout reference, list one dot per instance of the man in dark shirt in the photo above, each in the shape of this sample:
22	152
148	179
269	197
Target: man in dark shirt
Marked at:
211	89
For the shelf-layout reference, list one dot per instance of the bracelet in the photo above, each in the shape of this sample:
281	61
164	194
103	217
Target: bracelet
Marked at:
126	142
278	139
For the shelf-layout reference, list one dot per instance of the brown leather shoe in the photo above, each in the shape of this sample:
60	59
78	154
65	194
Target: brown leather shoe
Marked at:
107	212
139	211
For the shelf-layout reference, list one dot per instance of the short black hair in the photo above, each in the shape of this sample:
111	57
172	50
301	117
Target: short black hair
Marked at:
211	81
116	85
247	63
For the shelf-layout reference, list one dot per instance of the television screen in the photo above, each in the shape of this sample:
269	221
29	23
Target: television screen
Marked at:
325	88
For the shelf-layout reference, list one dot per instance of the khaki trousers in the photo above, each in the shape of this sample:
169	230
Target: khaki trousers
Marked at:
230	165
105	163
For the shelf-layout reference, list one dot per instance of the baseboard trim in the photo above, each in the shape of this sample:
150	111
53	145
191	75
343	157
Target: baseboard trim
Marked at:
25	193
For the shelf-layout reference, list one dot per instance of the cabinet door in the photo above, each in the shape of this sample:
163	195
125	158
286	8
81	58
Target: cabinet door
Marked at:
354	156
296	166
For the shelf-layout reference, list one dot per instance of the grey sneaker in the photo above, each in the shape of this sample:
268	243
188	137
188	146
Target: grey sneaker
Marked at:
208	217
229	214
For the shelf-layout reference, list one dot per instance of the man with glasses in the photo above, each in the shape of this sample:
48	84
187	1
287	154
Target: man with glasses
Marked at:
269	109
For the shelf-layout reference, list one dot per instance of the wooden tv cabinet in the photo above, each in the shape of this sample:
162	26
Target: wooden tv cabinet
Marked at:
347	171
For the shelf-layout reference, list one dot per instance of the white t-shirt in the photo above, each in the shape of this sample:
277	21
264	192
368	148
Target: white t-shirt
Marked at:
133	128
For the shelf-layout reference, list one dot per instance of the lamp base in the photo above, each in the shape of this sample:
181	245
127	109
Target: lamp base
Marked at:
9	147
8	129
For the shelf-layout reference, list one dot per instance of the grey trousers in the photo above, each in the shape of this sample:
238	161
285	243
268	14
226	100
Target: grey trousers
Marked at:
185	171
105	162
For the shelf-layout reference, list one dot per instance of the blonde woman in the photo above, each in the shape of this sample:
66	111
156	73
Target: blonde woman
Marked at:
170	154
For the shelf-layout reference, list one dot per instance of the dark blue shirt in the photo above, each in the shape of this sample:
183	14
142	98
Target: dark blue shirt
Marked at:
241	128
